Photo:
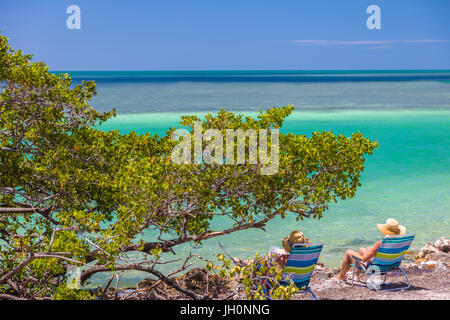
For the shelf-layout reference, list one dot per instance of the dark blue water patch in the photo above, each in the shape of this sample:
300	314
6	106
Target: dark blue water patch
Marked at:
353	244
267	79
358	242
256	77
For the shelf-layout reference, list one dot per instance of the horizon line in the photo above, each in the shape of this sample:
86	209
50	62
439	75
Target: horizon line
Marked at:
242	70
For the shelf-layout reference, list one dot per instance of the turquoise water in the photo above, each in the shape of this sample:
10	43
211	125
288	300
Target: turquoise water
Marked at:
407	112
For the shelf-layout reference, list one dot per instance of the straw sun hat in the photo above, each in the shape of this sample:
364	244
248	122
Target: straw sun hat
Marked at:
295	236
391	227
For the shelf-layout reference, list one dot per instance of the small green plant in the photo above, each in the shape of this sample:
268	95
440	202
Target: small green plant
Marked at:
259	279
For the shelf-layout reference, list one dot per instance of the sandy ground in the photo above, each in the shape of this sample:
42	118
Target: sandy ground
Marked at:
430	280
426	284
428	271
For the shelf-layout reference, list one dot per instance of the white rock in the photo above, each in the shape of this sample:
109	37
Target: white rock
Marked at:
443	244
429	248
434	265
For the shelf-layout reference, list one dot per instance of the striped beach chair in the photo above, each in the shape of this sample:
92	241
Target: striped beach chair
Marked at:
387	260
300	265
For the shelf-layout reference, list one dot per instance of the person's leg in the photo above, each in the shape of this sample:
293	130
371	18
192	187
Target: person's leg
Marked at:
362	252
346	263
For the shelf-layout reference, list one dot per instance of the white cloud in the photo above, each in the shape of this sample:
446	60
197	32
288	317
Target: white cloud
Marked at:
363	42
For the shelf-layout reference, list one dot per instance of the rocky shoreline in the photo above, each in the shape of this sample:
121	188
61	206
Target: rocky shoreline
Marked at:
428	270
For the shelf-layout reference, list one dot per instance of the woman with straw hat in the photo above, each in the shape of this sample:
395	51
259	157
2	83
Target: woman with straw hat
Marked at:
295	236
278	255
391	227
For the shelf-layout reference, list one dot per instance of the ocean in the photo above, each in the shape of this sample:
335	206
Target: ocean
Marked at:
407	112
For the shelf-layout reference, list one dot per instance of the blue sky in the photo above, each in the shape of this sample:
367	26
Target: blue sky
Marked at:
231	35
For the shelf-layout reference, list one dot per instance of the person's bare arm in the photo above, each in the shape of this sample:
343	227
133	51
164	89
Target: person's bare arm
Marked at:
369	253
355	254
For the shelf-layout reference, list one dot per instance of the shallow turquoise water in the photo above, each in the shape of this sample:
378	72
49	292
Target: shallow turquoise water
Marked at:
407	178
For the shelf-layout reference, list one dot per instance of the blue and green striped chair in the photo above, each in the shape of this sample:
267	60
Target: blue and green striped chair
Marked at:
387	260
300	265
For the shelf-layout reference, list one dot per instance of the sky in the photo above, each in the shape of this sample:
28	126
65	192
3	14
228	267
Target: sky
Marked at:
231	35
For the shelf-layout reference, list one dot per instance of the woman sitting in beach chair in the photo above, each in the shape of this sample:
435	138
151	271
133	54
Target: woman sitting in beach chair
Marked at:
384	255
297	261
277	257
